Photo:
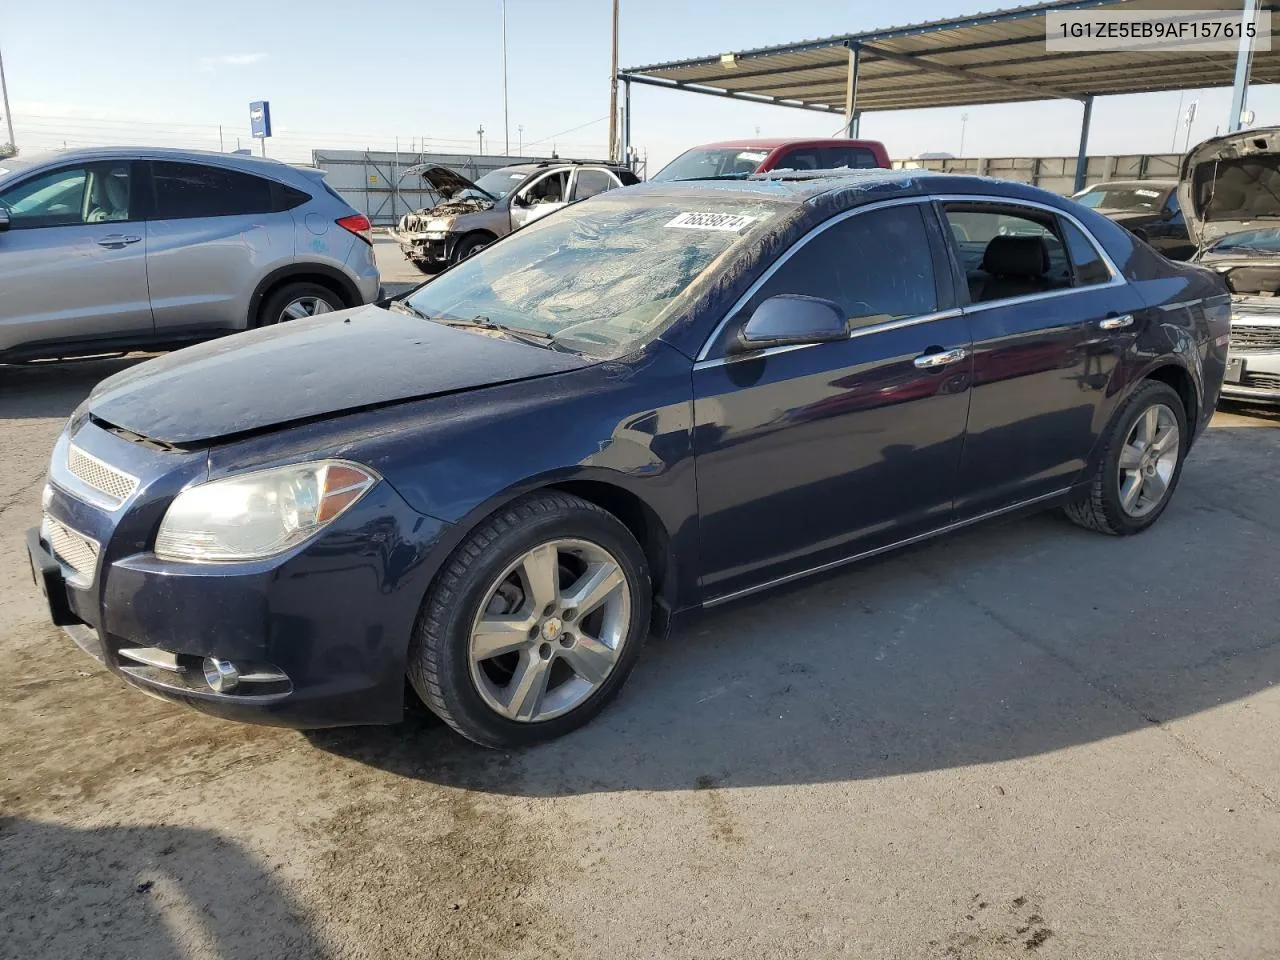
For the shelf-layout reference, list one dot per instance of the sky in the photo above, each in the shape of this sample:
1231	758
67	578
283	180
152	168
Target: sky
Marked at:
347	75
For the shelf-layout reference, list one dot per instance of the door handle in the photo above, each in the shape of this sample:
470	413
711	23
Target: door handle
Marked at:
1116	323
942	358
117	240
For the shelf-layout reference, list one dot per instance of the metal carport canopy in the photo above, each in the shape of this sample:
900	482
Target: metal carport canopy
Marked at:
996	57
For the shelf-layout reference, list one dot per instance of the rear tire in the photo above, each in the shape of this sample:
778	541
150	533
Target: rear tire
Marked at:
295	301
491	628
1140	465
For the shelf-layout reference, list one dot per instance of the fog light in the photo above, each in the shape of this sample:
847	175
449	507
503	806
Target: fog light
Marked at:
221	675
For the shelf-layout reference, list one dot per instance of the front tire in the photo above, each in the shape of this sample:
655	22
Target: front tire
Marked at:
534	623
470	245
1140	464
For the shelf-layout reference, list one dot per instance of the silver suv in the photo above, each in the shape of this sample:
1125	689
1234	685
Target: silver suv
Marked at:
114	249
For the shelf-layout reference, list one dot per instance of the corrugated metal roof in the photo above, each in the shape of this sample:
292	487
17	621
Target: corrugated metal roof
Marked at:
1002	55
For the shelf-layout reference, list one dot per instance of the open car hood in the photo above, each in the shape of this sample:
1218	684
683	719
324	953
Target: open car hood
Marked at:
449	183
1231	184
307	370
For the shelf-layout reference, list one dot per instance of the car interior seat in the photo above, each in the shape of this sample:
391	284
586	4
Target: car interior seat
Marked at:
1014	266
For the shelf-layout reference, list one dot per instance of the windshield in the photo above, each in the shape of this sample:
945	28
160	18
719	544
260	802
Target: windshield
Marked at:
701	163
1266	240
498	183
599	276
1123	198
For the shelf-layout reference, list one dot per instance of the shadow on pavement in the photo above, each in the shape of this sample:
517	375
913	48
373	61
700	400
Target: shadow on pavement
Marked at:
42	390
141	893
1002	642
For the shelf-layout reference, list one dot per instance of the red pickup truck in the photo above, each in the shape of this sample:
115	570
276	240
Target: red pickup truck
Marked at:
741	158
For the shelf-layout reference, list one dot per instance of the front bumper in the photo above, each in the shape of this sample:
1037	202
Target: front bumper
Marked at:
1253	361
320	633
433	247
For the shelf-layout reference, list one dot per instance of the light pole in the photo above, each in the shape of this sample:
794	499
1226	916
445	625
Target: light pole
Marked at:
480	134
1190	118
8	117
964	119
520	149
506	127
613	90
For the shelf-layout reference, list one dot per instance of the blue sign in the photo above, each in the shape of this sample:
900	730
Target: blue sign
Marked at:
260	119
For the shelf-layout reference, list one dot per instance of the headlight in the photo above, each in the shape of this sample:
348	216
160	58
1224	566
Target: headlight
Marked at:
259	514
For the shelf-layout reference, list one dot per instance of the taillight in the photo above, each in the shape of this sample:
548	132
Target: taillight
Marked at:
358	224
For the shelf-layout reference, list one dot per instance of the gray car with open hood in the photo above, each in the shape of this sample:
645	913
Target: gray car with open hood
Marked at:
471	215
1230	193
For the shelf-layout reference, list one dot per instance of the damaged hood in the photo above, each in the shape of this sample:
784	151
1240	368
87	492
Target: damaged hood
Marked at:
310	369
1231	184
449	183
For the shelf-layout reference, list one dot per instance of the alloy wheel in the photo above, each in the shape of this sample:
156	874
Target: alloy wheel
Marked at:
1148	460
301	307
550	630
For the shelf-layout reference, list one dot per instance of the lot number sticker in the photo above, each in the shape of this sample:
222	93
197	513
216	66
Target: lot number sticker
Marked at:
732	222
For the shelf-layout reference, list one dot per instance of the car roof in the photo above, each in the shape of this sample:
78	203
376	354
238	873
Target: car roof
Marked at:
850	188
774	143
1158	184
262	166
532	166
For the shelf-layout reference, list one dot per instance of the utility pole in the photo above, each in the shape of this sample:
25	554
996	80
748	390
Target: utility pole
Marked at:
520	149
480	134
221	147
964	119
613	90
1177	122
8	117
506	125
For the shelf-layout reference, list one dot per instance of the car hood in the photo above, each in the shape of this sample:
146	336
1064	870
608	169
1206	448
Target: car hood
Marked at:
311	369
449	183
1231	184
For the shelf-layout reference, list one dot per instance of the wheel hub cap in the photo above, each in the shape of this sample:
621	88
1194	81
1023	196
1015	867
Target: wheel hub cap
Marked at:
550	630
1148	460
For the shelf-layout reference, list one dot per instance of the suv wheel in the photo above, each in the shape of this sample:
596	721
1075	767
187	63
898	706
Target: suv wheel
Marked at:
294	301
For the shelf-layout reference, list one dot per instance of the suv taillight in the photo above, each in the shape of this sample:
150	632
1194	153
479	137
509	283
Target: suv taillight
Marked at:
358	224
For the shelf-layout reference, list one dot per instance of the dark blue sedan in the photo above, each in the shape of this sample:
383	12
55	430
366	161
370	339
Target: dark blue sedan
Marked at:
663	398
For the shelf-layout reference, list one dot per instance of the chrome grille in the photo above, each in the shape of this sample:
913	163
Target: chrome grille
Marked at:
1254	337
1263	381
71	549
114	484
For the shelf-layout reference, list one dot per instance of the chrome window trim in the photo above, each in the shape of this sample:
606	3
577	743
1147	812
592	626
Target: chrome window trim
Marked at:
790	252
1117	278
876	551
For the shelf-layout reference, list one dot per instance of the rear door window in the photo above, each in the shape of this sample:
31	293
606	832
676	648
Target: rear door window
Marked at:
189	190
590	182
852	158
1007	251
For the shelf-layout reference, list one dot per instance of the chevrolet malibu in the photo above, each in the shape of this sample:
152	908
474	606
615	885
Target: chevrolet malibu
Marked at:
663	398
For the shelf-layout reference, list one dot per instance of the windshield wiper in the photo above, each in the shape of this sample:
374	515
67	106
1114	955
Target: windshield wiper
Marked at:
404	306
537	338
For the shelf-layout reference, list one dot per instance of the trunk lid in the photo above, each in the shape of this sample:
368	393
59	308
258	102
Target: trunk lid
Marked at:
310	369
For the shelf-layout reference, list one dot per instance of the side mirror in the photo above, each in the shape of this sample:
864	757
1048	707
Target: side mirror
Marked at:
520	200
4	220
1166	214
791	318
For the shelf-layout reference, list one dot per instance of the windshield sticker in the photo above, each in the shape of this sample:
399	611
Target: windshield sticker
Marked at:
1147	193
732	222
753	156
